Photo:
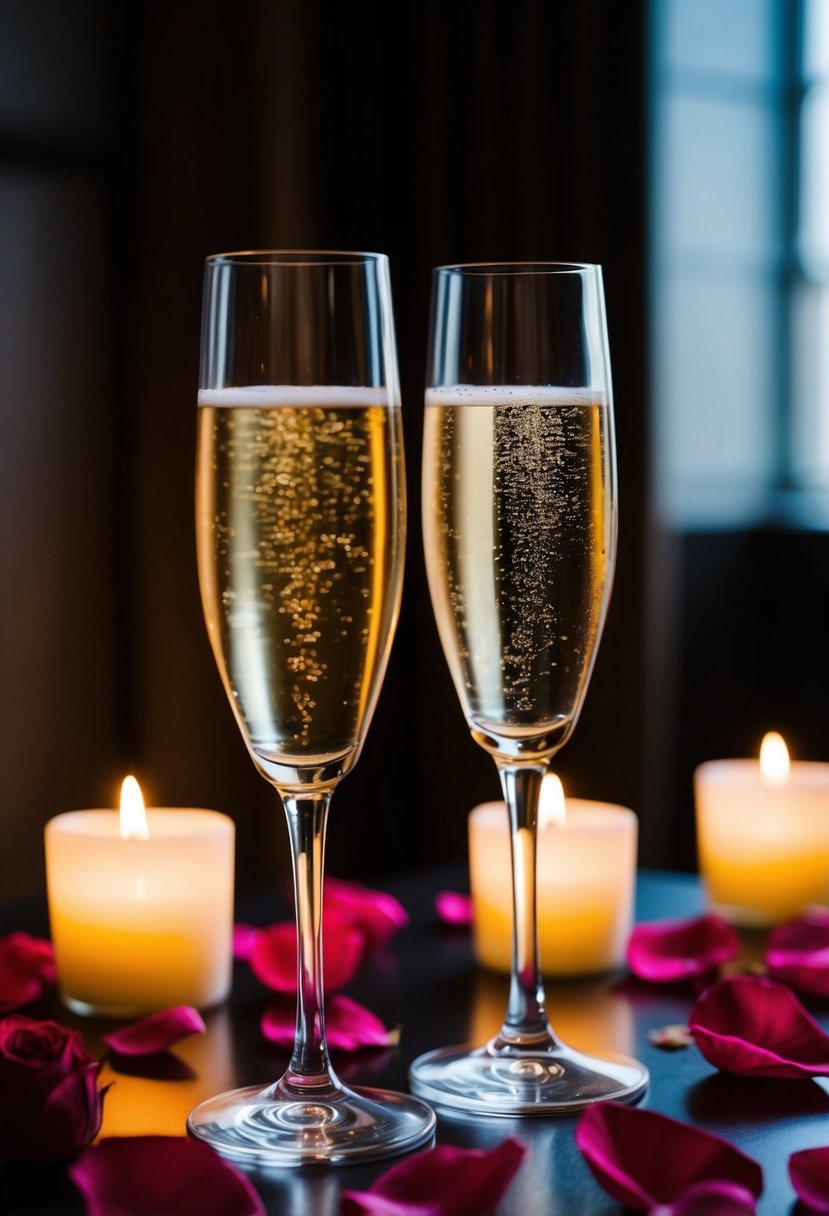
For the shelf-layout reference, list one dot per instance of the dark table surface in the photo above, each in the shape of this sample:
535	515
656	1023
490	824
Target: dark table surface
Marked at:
426	981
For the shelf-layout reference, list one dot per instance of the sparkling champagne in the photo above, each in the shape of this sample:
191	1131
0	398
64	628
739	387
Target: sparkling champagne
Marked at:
519	534
300	528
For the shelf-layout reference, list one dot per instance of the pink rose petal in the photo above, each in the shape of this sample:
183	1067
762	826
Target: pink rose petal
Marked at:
443	1181
757	1028
453	908
273	958
644	1159
26	964
156	1032
150	1175
377	913
797	955
667	952
348	1026
244	939
710	1199
809	1172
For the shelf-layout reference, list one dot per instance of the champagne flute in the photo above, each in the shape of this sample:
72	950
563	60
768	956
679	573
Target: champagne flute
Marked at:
519	524
300	519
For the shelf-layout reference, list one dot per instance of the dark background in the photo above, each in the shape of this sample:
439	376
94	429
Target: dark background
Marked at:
137	138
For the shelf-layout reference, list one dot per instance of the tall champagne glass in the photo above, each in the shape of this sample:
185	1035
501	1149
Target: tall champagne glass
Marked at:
300	517
519	524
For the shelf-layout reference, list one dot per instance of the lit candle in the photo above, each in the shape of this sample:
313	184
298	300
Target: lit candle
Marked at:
141	906
763	834
585	885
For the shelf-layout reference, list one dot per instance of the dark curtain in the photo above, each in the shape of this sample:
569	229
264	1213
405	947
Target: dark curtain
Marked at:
434	131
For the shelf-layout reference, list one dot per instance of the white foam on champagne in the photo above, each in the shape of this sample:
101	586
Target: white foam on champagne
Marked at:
516	394
275	396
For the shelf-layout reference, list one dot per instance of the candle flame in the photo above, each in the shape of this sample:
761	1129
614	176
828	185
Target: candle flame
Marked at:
132	817
551	812
774	759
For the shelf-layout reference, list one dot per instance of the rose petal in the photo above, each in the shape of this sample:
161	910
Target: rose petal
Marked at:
666	952
139	1175
26	963
758	1028
809	1172
273	958
17	988
710	1199
644	1159
348	1026
377	913
443	1181
797	954
156	1032
454	908
244	939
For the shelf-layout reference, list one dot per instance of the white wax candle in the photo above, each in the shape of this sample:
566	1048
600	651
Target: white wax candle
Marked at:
585	886
141	924
763	841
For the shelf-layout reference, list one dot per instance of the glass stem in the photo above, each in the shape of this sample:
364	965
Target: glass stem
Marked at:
526	1020
310	1067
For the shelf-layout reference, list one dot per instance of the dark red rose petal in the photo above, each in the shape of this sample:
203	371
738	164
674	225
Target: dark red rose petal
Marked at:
155	1175
273	959
377	913
797	954
644	1159
809	1172
667	952
757	1028
454	908
443	1181
157	1032
26	964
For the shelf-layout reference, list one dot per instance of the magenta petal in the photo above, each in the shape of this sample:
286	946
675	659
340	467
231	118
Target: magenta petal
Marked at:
33	954
157	1032
758	1028
273	959
443	1181
148	1175
278	1023
666	952
797	955
348	1026
710	1199
244	939
26	963
645	1159
809	1172
453	908
16	988
377	913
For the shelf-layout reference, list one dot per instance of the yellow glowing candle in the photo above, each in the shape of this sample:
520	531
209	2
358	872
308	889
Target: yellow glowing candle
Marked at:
586	871
141	906
763	834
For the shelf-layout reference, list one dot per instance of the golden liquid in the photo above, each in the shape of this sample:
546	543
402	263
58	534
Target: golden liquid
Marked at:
519	535
300	530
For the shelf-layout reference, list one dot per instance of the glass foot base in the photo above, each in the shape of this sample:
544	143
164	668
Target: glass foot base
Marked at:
253	1127
554	1080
